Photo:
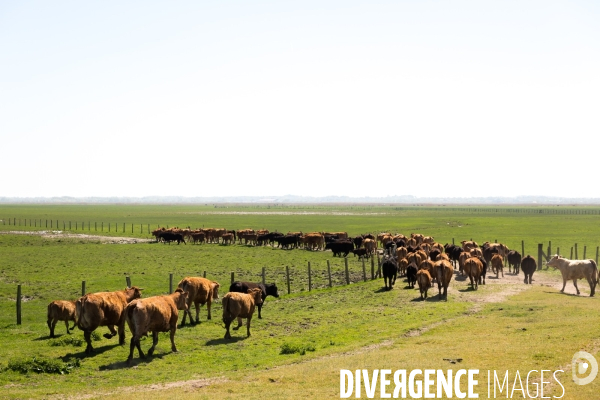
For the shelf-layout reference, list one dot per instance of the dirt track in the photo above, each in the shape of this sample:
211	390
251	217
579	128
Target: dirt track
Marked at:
81	236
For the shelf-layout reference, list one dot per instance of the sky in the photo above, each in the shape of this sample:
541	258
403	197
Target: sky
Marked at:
311	98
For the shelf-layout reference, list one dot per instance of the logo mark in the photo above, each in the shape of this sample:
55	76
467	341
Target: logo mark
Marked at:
580	367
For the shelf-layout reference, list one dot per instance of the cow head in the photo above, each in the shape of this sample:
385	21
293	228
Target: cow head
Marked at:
554	261
132	293
181	299
215	289
256	293
272	290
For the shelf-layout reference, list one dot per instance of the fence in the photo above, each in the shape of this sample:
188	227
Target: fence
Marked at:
302	278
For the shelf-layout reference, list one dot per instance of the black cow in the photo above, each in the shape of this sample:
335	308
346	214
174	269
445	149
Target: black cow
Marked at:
274	235
360	253
411	274
528	266
169	237
488	253
453	251
514	260
358	241
269	289
287	241
337	248
400	242
389	269
484	271
434	254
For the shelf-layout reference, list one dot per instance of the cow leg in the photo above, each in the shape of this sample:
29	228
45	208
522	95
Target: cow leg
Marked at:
185	313
173	347
208	304
67	325
112	333
52	325
154	343
248	324
259	308
197	305
87	335
564	284
235	328
575	283
227	324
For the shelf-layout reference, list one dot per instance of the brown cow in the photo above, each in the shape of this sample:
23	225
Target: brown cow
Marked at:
473	268
200	291
428	266
468	245
227	238
402	265
443	272
61	310
104	309
153	314
464	256
240	305
418	237
424	282
428	240
476	252
370	245
401	253
498	264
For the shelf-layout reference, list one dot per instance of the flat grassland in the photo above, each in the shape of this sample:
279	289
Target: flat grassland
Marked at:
504	325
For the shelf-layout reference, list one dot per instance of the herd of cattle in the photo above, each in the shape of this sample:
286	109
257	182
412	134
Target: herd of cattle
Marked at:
418	258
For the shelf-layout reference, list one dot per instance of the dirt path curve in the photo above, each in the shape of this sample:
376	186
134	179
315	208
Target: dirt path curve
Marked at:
81	236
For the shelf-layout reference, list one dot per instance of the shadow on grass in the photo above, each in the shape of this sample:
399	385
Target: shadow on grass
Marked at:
467	289
460	278
571	294
97	350
216	342
134	362
381	290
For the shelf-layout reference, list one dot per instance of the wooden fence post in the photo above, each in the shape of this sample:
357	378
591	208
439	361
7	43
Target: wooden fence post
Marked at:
287	277
346	268
523	248
18	304
128	280
540	255
82	288
558	250
204	274
584	251
576	254
379	275
309	278
597	250
329	272
263	275
372	268
364	271
232	277
170	283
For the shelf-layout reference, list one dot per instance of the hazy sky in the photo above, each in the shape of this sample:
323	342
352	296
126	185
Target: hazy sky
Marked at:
197	98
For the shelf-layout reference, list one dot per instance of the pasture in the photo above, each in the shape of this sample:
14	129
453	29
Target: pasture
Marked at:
304	338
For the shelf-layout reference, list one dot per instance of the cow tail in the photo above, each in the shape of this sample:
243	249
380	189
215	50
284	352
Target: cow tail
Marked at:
79	312
596	279
226	312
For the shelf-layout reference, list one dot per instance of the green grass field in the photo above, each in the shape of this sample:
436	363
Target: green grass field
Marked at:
349	326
